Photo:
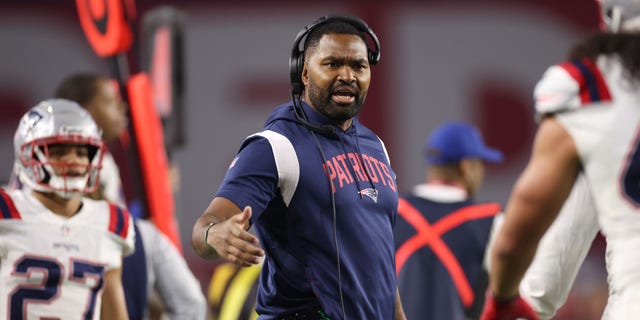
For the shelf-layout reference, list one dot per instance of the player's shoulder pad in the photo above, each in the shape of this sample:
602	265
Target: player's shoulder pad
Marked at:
119	220
7	207
568	86
113	220
121	225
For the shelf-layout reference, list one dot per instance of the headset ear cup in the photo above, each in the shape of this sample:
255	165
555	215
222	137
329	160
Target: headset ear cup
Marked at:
296	63
293	68
300	67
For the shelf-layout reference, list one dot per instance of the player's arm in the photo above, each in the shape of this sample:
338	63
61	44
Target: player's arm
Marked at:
535	201
548	280
114	305
222	229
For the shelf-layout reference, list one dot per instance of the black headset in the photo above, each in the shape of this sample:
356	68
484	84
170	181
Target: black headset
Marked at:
296	64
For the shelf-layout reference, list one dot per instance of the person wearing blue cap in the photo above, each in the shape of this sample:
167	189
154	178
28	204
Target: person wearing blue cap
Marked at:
442	234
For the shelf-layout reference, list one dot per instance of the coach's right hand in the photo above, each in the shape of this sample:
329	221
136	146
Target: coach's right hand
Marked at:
222	229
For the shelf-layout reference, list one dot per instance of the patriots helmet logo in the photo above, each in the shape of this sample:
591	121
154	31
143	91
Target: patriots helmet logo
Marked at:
34	117
369	192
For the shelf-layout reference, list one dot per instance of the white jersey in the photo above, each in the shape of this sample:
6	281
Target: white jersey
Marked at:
561	252
52	266
599	107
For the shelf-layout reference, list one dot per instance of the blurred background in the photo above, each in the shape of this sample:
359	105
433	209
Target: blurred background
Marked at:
476	61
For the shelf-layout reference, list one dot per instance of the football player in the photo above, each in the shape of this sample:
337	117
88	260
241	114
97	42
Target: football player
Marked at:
60	253
589	125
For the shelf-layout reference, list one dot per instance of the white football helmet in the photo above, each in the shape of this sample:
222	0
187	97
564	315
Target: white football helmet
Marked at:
619	15
57	121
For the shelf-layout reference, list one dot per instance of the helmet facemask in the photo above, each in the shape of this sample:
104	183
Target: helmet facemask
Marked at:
65	179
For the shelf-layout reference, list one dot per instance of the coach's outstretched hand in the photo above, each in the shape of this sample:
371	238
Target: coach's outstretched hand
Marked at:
233	242
221	231
513	309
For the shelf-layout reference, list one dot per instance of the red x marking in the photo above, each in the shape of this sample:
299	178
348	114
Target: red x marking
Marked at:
430	235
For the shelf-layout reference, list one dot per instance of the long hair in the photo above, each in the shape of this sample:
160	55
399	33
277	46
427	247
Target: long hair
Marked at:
625	45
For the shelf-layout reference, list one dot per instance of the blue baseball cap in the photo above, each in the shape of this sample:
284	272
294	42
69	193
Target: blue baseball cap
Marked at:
453	141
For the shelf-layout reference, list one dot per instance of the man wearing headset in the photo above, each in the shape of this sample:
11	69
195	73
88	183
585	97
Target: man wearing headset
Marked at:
319	189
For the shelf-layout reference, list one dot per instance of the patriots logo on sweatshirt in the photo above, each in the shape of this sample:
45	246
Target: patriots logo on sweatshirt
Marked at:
369	192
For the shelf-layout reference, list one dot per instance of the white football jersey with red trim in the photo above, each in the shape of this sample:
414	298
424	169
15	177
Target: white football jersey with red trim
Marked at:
52	267
599	106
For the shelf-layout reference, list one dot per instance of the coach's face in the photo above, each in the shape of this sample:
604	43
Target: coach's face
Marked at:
336	76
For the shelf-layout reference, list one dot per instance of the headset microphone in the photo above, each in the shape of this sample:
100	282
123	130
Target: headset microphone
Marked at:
325	130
